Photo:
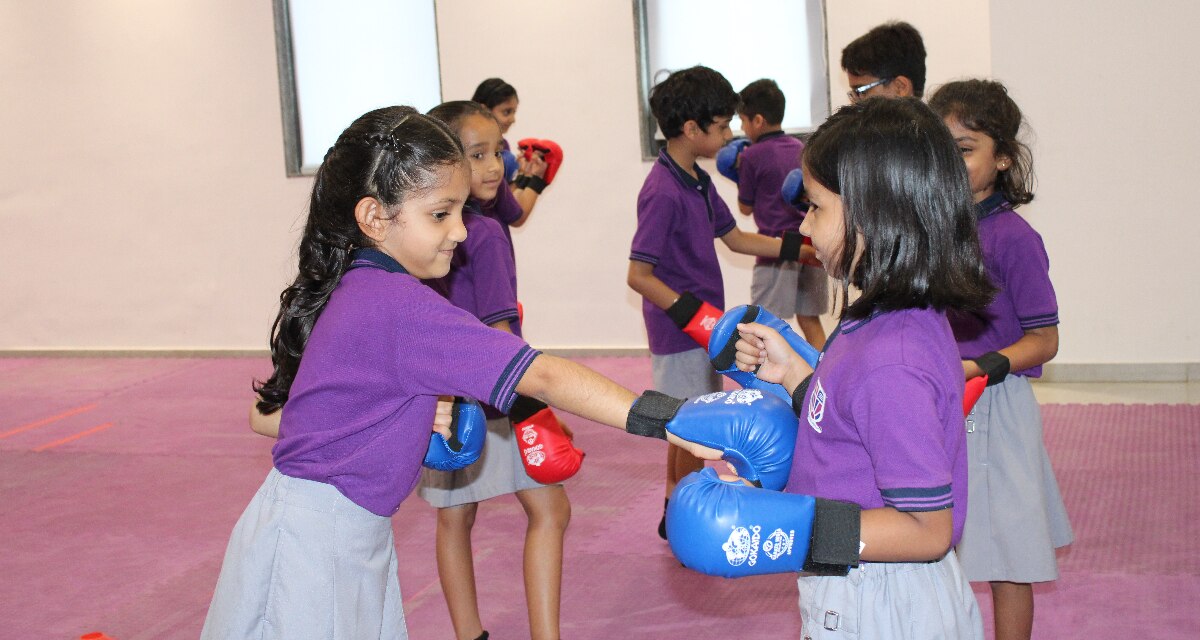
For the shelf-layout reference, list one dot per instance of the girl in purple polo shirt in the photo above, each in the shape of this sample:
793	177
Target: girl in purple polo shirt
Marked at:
362	351
511	206
1017	518
483	281
881	422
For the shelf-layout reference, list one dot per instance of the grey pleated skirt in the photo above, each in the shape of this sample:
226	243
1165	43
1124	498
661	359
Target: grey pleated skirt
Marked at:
1015	513
498	472
306	563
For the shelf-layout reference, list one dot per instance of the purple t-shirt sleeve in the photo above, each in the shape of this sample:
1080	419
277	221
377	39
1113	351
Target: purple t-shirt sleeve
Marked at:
446	350
747	181
723	221
897	410
1026	277
506	207
656	217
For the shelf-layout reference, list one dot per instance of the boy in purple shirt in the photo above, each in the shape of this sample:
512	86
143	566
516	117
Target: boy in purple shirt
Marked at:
783	288
673	262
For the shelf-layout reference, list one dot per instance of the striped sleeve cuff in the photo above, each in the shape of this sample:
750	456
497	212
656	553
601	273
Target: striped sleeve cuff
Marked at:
919	499
726	229
1038	321
505	391
643	257
503	314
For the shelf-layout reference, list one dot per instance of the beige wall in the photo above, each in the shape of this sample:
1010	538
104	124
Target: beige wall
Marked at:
143	203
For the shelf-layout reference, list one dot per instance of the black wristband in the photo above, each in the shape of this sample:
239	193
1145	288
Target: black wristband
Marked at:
524	407
798	397
792	241
836	532
728	353
537	183
995	365
684	309
650	414
521	181
453	442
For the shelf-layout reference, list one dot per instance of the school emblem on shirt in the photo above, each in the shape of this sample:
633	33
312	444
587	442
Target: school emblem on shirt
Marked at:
816	407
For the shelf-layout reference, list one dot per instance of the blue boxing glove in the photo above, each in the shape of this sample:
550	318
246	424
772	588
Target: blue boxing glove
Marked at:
731	530
510	165
468	428
722	349
793	189
727	157
755	432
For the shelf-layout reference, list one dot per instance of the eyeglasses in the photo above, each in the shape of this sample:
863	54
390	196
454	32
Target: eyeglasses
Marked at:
857	93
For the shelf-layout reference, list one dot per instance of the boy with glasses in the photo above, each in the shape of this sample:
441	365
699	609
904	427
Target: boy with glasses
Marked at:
888	61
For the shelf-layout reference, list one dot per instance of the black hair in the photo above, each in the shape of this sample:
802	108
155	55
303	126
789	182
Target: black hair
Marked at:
454	112
985	106
390	154
763	98
697	93
889	50
492	92
904	187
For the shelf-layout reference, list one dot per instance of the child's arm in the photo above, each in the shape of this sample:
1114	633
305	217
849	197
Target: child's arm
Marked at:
1036	347
525	196
641	279
264	424
745	209
756	244
905	536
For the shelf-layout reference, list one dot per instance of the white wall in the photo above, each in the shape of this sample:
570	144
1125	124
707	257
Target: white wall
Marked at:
143	203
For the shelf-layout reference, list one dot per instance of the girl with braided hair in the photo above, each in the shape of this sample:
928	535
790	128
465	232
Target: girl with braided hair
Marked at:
362	351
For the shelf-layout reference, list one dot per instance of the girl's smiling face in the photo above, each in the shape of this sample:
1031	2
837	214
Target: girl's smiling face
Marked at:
481	139
428	226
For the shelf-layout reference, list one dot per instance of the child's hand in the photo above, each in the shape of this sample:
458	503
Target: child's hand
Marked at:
443	416
698	450
761	346
536	166
733	476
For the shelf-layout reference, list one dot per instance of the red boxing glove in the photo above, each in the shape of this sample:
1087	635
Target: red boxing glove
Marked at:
552	154
695	317
548	454
971	392
525	146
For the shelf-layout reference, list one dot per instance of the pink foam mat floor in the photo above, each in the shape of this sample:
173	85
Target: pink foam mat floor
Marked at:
120	479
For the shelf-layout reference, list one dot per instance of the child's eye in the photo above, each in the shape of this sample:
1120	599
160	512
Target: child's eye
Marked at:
964	150
441	215
477	156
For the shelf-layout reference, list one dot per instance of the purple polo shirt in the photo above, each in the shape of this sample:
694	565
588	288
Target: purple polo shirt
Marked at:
883	424
763	167
678	219
504	209
384	348
483	277
1016	262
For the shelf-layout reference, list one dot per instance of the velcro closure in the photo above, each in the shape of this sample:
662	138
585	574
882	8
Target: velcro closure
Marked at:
650	414
837	530
724	359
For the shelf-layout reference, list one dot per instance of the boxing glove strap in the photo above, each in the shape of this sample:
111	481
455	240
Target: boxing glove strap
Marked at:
995	365
453	442
837	529
650	414
524	407
684	309
798	396
725	358
792	241
521	181
537	183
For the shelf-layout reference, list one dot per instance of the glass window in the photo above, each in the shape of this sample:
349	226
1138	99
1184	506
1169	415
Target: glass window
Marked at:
338	60
779	39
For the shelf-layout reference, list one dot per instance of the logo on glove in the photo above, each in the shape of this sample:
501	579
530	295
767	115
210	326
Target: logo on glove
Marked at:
742	545
534	456
741	396
529	435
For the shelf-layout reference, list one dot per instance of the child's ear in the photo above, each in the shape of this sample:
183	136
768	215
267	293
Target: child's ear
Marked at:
903	86
758	120
1003	162
691	129
371	217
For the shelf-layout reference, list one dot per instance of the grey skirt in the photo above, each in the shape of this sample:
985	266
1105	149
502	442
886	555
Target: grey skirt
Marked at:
498	472
304	562
1015	513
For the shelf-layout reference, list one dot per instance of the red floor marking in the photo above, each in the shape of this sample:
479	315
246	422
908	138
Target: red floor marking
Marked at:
77	436
45	421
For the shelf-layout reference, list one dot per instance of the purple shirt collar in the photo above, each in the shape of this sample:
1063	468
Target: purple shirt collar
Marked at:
991	204
376	259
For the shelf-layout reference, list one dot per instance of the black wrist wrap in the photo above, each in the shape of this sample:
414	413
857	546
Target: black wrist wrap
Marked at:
994	365
684	309
521	181
837	529
790	250
798	397
650	414
524	407
728	353
537	183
